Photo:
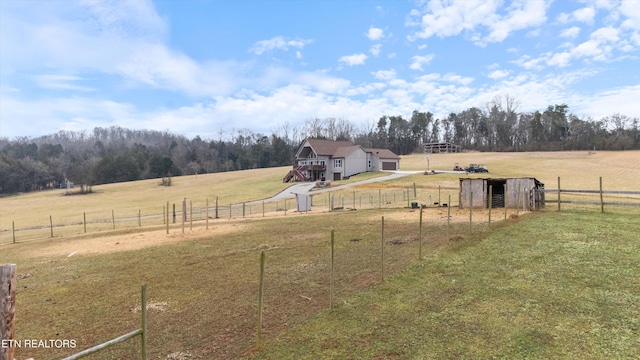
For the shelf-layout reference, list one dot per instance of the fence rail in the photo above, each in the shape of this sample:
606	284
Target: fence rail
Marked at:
142	332
590	197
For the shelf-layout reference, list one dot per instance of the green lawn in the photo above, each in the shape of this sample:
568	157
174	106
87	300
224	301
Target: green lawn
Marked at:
551	286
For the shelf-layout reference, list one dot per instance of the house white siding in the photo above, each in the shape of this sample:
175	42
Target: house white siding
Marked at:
355	163
317	159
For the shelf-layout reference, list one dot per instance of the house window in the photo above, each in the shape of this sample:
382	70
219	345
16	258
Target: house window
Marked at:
337	163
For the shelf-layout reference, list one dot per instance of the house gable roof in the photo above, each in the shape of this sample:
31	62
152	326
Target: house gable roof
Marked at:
345	151
327	147
383	153
341	149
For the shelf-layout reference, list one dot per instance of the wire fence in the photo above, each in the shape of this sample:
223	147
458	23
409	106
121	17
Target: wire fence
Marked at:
299	276
189	213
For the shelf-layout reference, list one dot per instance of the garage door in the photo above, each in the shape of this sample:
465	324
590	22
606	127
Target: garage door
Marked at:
389	165
336	176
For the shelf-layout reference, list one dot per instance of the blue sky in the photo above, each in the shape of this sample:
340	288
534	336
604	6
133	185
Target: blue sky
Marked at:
211	68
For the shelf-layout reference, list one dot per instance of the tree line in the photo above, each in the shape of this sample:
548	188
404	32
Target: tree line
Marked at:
115	154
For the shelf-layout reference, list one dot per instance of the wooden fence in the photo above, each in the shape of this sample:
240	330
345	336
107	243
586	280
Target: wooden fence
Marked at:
585	198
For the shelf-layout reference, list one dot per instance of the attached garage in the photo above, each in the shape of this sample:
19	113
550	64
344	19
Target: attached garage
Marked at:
389	165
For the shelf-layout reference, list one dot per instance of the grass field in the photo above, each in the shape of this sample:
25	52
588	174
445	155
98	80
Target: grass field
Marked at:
544	285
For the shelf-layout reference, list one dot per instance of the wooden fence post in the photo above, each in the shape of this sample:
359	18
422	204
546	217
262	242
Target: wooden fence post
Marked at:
354	200
601	197
113	219
51	224
190	214
84	221
448	216
167	216
184	210
8	285
470	212
505	201
518	200
382	252
490	202
13	231
420	236
260	301
139	218
143	322
216	207
558	193
207	215
331	277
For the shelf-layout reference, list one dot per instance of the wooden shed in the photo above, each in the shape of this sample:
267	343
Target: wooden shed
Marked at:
510	192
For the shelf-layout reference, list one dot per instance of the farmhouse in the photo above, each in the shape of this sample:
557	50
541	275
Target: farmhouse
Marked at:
336	160
513	192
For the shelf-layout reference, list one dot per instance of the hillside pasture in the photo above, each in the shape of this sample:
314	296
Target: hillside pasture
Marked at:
203	283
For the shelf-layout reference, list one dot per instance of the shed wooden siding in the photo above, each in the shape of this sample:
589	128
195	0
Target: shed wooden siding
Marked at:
477	187
519	192
521	185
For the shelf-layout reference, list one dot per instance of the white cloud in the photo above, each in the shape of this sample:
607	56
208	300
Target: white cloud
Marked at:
385	74
417	62
61	82
584	15
355	59
560	59
601	104
631	10
375	49
571	32
278	43
498	74
563	18
451	18
123	39
605	34
375	33
522	15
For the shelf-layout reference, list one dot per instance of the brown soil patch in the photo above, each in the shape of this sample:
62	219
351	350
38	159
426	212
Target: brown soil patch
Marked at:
439	215
75	247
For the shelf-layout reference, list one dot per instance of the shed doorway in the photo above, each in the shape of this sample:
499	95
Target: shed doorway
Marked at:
497	199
